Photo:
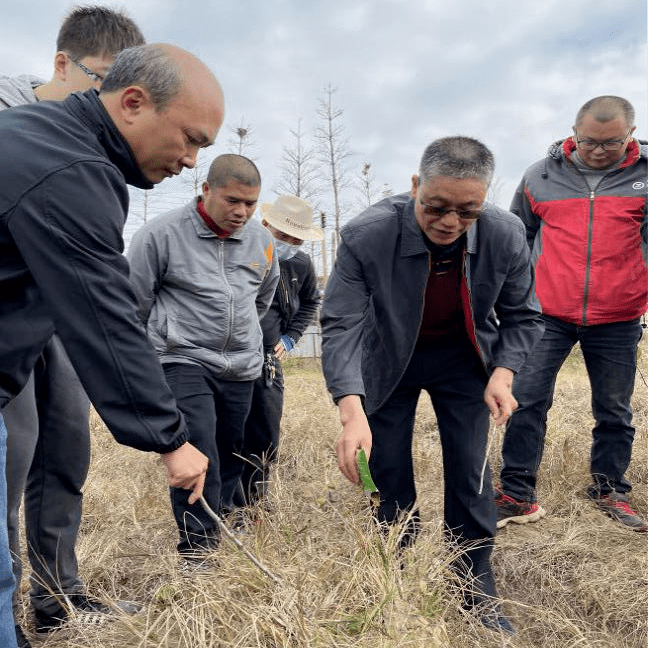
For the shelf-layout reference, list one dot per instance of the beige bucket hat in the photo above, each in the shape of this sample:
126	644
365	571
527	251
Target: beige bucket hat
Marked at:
293	216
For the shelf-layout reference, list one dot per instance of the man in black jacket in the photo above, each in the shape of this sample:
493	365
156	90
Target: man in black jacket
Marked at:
48	434
295	302
64	169
432	290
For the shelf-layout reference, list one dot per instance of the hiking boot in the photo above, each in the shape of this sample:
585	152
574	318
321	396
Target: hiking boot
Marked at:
85	609
519	512
21	639
616	506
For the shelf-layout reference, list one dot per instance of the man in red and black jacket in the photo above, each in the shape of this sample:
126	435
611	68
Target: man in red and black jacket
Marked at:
584	208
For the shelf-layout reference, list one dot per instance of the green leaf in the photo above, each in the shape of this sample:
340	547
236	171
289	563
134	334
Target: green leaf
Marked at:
363	470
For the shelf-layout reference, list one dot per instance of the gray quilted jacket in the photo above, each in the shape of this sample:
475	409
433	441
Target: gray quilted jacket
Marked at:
201	297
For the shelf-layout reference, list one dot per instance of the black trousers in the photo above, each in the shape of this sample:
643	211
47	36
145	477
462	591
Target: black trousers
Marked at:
261	440
48	456
215	411
454	377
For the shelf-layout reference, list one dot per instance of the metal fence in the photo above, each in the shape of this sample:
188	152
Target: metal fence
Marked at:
310	344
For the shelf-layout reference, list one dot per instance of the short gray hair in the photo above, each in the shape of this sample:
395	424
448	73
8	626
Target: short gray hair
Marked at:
606	108
457	157
148	66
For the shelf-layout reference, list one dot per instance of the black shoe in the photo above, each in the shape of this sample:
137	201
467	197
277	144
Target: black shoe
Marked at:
479	594
21	640
487	610
190	567
493	619
86	609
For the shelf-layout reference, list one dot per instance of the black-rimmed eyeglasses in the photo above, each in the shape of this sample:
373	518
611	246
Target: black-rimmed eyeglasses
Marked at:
610	145
440	212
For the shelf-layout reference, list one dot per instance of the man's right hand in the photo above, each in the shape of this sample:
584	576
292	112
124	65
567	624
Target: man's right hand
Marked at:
356	434
186	468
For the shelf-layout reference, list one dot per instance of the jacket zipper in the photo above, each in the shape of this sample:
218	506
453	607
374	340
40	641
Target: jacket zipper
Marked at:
230	305
590	232
285	290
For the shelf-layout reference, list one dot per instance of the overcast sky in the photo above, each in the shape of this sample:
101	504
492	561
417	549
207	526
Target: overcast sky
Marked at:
512	73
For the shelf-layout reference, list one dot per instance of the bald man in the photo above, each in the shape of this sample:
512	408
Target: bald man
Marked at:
48	433
204	275
64	169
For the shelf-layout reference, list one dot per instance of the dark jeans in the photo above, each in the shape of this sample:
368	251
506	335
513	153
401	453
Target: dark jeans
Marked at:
453	375
215	411
48	456
610	353
261	440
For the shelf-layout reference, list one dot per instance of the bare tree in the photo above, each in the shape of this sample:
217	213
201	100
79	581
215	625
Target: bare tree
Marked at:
333	150
242	141
145	205
495	190
299	169
194	178
386	191
366	185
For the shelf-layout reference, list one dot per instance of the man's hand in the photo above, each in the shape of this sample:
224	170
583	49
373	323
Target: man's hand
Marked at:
498	396
279	350
355	434
186	468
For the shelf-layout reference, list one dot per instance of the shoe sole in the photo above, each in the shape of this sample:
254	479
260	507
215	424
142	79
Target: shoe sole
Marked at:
78	619
523	519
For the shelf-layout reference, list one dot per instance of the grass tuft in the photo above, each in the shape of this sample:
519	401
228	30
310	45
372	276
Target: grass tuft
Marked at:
573	580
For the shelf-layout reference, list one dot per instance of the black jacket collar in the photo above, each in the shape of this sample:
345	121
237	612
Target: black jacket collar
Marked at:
90	110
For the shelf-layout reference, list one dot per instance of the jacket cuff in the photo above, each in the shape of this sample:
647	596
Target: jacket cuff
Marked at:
177	442
294	334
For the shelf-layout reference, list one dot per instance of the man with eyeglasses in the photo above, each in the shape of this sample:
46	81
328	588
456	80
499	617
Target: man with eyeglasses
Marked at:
584	209
432	290
48	443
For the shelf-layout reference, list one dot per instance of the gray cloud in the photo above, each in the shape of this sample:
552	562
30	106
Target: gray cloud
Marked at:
512	73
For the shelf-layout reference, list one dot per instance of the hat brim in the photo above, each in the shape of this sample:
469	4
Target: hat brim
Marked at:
302	232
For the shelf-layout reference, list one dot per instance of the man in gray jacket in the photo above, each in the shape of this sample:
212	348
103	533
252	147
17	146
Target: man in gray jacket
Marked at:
432	290
204	274
48	438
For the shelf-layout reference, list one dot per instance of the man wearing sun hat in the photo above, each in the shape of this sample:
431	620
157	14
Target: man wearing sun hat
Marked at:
290	220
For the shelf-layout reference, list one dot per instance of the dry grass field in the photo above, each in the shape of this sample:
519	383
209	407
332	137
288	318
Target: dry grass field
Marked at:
574	580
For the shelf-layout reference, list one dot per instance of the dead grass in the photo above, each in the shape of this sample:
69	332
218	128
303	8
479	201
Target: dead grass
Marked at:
573	580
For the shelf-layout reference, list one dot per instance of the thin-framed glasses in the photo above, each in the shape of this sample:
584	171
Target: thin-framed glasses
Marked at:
93	75
610	145
440	212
